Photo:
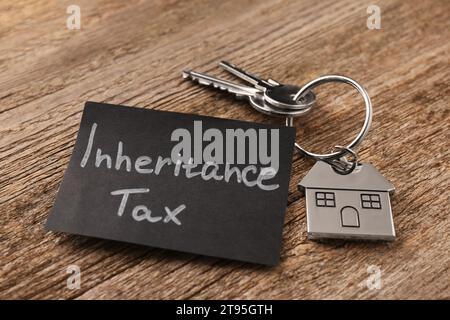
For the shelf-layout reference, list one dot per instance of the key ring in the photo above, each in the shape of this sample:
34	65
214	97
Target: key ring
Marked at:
260	105
367	121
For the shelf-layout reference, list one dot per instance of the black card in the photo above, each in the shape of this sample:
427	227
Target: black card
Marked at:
185	182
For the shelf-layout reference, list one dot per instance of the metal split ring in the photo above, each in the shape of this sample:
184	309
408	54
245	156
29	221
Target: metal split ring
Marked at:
341	151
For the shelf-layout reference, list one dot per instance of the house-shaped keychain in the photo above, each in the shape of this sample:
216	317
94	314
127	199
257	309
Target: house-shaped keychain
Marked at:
352	206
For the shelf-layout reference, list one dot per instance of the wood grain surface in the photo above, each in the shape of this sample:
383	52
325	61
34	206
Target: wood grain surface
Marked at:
133	52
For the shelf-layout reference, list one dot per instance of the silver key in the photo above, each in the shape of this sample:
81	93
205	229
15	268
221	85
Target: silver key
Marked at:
246	76
254	95
237	89
275	93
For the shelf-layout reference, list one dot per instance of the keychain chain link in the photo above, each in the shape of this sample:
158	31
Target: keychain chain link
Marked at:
342	165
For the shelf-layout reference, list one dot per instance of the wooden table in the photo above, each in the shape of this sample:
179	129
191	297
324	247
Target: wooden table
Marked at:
133	52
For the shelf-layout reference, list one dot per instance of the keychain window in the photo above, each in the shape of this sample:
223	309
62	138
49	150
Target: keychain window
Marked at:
325	199
370	201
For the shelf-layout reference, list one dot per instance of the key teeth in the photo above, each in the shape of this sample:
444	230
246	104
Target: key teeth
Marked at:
188	75
231	88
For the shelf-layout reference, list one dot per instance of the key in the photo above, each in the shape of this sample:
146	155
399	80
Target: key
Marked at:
246	76
254	95
275	93
237	89
259	96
